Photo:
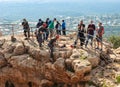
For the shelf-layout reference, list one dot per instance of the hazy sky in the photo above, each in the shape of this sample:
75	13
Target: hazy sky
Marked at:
59	0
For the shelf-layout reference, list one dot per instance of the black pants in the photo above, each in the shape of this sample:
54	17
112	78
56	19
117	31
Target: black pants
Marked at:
82	40
47	35
51	51
59	32
40	40
27	33
64	31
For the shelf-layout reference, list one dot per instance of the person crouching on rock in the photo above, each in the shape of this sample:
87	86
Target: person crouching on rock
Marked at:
26	29
51	45
40	38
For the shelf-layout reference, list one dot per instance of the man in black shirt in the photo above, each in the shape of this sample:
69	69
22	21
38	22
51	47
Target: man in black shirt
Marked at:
40	35
80	35
26	28
90	32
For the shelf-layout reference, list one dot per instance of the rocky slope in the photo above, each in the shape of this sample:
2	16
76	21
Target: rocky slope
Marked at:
23	64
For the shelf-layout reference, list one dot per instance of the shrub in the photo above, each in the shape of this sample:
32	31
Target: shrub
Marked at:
115	40
118	79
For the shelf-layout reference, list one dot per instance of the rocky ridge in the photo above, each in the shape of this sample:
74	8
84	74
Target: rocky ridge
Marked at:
23	64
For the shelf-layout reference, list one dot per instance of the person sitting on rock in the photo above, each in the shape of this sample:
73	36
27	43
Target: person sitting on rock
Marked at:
51	45
26	29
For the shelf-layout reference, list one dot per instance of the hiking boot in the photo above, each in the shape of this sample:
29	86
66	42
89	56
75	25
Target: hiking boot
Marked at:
97	48
101	49
26	39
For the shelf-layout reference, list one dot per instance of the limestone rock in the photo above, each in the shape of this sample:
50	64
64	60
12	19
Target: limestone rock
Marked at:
46	83
56	55
35	54
19	50
93	60
60	64
117	51
9	49
81	66
2	42
3	62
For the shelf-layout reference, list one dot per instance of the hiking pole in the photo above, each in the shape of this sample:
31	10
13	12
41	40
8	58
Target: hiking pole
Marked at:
13	39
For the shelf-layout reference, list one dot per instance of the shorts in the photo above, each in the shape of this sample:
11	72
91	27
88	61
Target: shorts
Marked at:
99	38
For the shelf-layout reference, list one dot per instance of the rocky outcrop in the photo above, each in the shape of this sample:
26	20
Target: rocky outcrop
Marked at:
23	65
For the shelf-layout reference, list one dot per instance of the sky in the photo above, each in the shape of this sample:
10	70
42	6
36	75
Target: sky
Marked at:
59	1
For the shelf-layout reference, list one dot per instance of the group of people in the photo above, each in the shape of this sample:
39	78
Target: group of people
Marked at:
54	29
90	31
45	29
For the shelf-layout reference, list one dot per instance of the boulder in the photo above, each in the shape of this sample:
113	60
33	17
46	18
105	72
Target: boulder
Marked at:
46	83
9	49
35	53
68	53
93	60
117	51
60	64
56	55
2	42
19	50
81	66
3	62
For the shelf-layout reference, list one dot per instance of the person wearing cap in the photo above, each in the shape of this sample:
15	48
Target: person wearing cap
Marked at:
26	29
51	45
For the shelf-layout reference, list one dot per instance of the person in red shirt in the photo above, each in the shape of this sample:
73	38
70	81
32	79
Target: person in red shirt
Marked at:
100	32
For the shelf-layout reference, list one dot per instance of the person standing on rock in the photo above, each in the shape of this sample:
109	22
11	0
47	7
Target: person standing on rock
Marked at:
26	29
51	28
58	28
51	45
100	32
40	22
47	31
40	37
63	27
80	34
90	33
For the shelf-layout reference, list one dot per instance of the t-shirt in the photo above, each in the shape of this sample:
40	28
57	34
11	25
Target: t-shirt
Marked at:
25	25
100	30
52	41
91	29
81	30
51	25
39	24
63	25
40	30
